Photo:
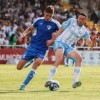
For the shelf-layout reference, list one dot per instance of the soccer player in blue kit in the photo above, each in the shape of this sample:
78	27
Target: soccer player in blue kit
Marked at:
44	26
71	31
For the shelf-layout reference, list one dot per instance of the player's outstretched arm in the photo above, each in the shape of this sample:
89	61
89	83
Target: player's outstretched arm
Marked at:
49	42
56	34
89	42
26	32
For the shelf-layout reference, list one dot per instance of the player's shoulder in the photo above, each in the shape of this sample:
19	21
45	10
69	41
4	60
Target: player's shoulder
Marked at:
39	18
86	29
72	19
56	22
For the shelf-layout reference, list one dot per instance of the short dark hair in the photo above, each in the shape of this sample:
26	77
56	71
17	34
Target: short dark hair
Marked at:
83	14
50	9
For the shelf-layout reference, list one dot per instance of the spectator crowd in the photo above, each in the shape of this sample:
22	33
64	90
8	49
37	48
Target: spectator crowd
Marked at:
17	15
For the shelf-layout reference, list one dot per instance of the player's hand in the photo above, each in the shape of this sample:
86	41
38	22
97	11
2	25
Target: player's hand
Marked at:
20	39
49	42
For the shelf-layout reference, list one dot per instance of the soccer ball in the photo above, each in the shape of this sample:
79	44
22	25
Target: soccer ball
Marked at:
54	85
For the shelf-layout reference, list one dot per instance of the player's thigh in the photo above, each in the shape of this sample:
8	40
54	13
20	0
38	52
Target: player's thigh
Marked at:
27	56
59	49
74	54
21	64
59	54
37	63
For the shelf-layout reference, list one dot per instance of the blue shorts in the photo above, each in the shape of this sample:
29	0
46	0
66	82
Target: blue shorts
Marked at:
29	55
60	45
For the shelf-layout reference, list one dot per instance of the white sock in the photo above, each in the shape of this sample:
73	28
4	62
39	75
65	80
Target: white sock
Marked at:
76	73
52	72
29	63
33	70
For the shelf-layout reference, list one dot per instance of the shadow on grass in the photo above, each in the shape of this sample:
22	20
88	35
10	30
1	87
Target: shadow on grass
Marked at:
20	91
28	91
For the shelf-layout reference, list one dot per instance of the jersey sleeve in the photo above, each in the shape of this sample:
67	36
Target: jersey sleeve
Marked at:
58	25
35	23
86	35
66	23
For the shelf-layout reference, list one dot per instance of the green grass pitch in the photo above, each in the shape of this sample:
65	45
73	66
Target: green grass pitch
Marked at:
11	79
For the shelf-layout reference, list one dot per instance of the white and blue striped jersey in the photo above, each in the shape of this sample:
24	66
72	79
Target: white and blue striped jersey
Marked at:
72	32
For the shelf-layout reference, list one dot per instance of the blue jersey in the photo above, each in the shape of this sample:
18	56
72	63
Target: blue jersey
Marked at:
38	47
44	32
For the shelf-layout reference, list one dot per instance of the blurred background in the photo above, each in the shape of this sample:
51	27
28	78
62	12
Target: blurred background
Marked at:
17	15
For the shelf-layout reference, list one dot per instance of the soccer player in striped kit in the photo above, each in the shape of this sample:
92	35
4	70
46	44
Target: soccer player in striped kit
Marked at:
70	32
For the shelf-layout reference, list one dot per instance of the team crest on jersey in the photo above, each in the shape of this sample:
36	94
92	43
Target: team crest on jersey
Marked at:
79	33
49	27
41	23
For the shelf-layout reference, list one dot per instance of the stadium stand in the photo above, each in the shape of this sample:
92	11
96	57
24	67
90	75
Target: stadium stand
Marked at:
13	24
17	15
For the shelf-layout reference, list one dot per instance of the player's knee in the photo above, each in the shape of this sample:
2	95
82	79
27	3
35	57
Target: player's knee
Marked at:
79	59
59	58
37	63
19	67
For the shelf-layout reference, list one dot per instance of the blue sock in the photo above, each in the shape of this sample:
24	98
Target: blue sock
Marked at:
29	77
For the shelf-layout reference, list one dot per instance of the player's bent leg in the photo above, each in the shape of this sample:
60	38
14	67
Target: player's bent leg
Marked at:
74	54
78	58
59	57
37	63
21	64
31	74
28	79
